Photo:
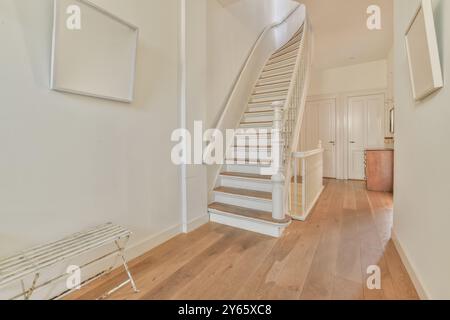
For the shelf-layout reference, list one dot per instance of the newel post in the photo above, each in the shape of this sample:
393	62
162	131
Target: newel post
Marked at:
278	179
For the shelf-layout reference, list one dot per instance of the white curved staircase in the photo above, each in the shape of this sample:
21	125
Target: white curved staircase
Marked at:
243	197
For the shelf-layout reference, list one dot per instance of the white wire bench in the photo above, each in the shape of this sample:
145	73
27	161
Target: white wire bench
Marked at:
34	261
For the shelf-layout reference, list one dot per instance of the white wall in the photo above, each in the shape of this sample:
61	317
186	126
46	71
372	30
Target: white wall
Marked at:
70	162
422	180
233	27
359	77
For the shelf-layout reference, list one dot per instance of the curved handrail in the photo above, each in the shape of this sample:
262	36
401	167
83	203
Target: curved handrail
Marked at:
271	39
249	56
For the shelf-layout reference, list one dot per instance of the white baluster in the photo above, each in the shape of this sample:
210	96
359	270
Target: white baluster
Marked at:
278	179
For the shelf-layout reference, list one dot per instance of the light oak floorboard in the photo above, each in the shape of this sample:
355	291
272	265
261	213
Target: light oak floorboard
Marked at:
325	258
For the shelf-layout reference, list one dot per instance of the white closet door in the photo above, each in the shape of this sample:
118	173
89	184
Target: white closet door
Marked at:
375	121
320	125
365	130
327	134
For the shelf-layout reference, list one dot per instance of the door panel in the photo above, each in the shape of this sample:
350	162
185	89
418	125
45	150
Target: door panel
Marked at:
327	134
365	130
357	125
375	121
320	125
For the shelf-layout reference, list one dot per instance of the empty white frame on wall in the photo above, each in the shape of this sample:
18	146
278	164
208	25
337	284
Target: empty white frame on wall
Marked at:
94	52
423	53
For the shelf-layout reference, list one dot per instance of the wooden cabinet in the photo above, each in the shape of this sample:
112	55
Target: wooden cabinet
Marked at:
380	170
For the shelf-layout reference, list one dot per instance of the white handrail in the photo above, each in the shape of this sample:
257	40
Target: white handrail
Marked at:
271	39
306	154
247	60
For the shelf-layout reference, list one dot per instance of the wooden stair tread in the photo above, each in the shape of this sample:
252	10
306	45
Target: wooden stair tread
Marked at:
245	193
246	212
245	175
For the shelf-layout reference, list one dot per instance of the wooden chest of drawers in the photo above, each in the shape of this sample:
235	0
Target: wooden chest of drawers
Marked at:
380	170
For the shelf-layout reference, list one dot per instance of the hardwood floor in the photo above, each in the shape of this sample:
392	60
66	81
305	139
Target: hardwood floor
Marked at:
324	258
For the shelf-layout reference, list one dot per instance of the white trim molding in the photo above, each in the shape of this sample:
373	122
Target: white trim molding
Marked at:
418	284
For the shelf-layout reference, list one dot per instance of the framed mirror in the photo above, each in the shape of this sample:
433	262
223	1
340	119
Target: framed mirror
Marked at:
423	53
97	58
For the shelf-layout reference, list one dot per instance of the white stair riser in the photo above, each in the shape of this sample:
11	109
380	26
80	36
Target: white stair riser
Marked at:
250	184
277	97
253	117
247	224
269	95
272	87
246	150
279	72
250	146
239	168
256	126
273	80
263	139
282	63
295	39
247	160
253	141
287	56
254	154
260	105
259	108
245	202
291	48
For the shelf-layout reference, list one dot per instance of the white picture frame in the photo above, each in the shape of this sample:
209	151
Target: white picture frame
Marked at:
99	58
423	53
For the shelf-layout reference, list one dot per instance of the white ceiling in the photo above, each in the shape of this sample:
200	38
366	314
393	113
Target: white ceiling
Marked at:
341	34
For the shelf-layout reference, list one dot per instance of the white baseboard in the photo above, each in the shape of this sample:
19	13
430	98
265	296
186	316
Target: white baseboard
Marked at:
410	269
151	242
197	223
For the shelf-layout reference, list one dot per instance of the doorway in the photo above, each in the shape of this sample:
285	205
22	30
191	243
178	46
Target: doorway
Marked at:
366	121
320	125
